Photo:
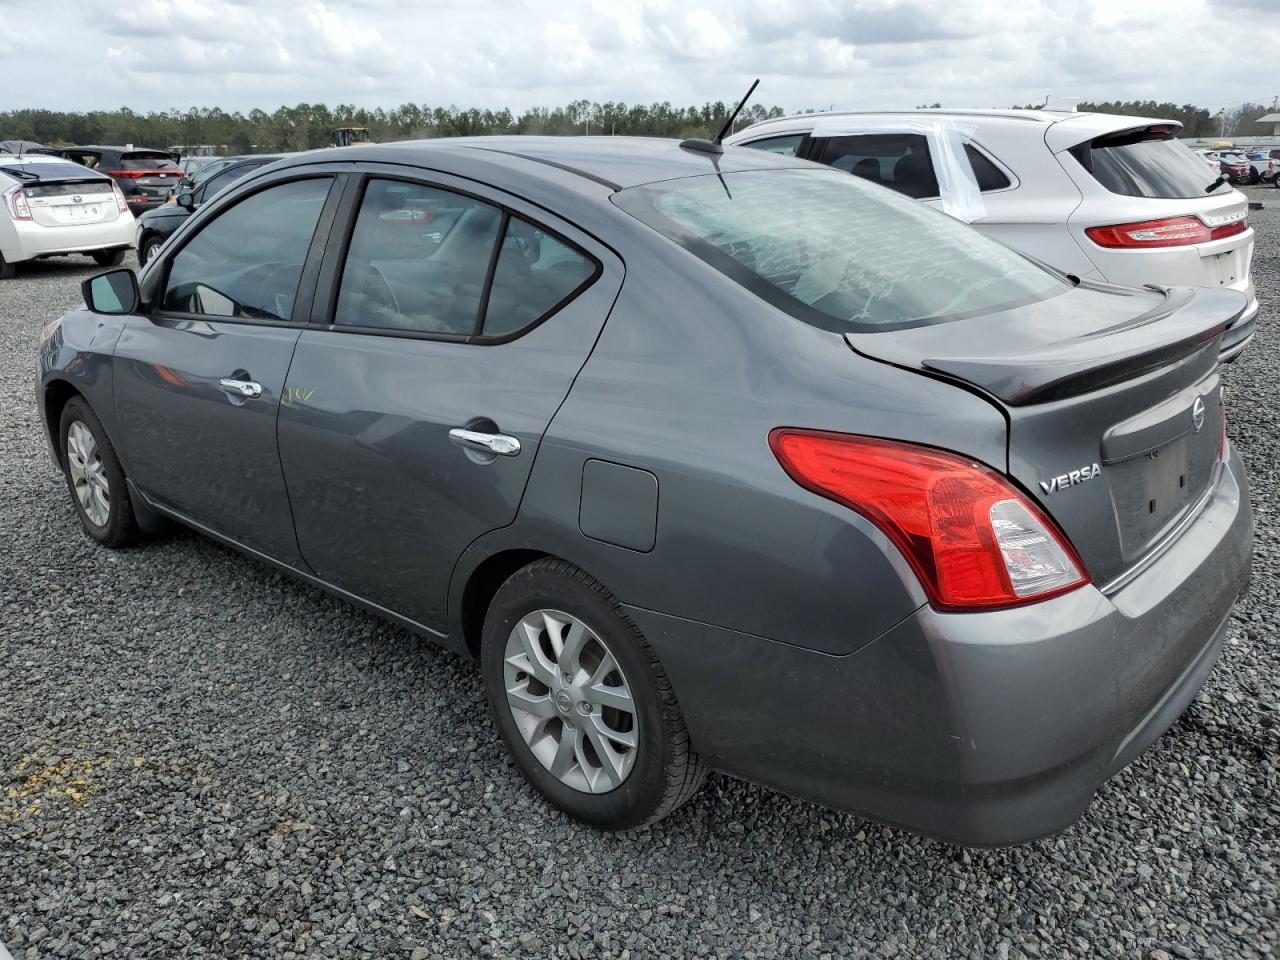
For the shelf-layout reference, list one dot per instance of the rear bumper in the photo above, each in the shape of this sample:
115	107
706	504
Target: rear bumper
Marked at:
30	240
984	729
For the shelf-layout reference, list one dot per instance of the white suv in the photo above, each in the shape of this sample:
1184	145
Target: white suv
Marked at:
1101	197
50	206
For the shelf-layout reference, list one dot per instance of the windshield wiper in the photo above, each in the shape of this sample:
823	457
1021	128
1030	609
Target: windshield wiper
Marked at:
1216	184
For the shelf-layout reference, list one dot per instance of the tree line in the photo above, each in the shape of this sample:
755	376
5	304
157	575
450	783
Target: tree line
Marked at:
309	126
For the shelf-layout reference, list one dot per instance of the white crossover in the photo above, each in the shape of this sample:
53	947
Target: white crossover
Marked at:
50	206
1100	197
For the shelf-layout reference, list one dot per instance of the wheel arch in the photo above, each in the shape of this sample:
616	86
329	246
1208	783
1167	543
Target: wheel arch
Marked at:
480	586
57	394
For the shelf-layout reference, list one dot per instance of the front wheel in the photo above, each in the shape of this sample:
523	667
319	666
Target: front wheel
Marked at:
582	702
95	477
108	258
148	249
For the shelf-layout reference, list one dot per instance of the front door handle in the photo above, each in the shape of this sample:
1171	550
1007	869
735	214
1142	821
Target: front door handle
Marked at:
499	443
244	389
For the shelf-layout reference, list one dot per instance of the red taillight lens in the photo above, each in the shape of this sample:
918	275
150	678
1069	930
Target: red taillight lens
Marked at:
973	539
121	203
1170	232
16	201
128	174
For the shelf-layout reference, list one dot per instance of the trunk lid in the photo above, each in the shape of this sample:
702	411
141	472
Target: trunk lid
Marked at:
1113	401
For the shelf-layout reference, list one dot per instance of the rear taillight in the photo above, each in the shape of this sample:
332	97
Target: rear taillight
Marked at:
121	203
16	201
128	174
972	538
1170	232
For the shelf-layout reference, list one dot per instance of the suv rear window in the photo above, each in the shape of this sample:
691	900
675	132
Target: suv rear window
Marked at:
836	252
1143	163
147	161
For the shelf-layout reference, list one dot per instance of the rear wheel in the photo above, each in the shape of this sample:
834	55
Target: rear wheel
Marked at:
582	702
108	258
95	477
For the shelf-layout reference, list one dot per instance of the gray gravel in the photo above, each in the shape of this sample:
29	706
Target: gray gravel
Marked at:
203	759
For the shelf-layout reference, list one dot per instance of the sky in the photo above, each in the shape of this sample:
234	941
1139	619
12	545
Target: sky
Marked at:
855	54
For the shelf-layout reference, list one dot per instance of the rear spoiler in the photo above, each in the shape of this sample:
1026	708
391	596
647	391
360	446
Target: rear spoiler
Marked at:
31	176
1187	320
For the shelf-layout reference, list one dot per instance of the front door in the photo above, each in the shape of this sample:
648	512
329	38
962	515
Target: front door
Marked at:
412	417
198	382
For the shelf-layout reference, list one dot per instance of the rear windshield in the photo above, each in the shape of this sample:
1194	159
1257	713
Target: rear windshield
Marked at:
147	161
838	252
1134	165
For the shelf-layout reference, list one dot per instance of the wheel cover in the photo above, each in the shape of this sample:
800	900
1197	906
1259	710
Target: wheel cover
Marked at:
570	701
88	475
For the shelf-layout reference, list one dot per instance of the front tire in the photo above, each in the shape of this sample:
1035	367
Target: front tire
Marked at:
148	250
582	702
7	269
108	258
94	477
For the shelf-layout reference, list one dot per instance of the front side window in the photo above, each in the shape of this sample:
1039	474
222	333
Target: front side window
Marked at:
247	261
418	260
833	252
785	146
899	161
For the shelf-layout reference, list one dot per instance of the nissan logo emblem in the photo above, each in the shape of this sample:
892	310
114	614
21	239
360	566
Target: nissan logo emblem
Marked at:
1197	414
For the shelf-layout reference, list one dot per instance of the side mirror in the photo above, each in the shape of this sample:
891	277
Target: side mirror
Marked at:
187	201
114	292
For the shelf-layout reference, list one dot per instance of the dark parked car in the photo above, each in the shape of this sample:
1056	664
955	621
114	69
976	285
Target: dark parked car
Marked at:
145	176
154	226
711	460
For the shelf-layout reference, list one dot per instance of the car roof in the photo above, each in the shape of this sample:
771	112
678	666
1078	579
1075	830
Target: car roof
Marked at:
1063	128
611	162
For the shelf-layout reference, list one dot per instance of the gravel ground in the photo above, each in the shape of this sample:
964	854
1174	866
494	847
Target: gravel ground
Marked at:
204	759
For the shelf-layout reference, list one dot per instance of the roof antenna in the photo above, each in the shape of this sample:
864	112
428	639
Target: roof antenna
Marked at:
714	146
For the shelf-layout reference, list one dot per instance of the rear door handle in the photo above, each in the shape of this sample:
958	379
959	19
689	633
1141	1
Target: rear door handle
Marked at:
499	443
245	389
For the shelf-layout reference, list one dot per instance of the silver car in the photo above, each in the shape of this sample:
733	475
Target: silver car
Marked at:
712	460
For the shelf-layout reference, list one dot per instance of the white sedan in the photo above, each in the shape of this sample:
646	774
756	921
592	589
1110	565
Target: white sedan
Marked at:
50	207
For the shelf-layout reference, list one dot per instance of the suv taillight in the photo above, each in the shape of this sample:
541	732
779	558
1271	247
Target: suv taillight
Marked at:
972	538
16	201
1169	232
120	200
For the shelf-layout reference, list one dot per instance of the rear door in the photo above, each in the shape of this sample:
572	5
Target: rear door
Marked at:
450	330
199	381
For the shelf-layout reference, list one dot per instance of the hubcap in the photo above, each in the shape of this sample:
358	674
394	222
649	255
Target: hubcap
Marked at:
88	475
570	701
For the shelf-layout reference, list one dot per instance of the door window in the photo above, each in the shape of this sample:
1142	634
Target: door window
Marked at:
899	161
418	260
787	146
248	260
985	172
223	179
535	273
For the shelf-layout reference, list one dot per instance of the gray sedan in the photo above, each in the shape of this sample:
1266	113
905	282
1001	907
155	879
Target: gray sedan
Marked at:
712	461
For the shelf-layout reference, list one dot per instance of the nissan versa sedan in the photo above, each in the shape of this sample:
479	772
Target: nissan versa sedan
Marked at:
712	460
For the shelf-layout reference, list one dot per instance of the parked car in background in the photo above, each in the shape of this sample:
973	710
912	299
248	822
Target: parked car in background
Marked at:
1235	167
1264	168
190	165
145	176
204	171
155	226
1210	159
51	207
712	459
1094	195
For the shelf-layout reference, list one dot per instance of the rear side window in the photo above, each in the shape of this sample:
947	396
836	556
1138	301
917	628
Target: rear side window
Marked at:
1140	164
836	253
786	146
247	262
418	260
535	273
900	161
988	175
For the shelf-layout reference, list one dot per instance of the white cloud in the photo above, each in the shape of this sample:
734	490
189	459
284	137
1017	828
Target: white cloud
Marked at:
240	54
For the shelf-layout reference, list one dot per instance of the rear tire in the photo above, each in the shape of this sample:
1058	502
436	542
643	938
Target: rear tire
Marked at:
95	477
108	258
7	269
644	766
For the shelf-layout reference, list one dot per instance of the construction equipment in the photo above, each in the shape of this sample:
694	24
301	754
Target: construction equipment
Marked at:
350	136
